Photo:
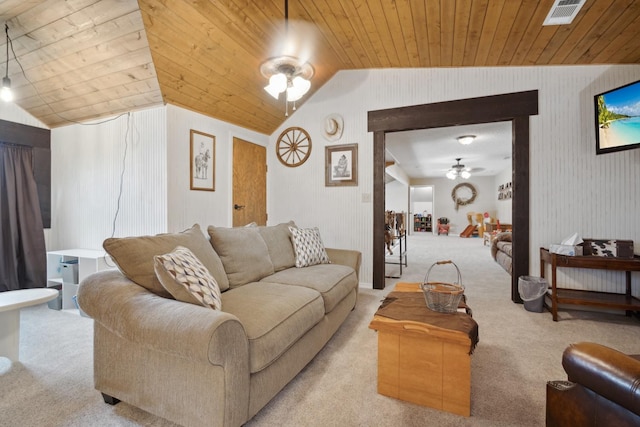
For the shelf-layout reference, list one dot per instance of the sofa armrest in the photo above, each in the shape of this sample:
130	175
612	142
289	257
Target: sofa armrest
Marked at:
346	257
609	373
185	330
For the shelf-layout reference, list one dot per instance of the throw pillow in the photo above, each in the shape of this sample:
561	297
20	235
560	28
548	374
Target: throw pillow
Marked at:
187	279
308	247
278	240
243	252
134	256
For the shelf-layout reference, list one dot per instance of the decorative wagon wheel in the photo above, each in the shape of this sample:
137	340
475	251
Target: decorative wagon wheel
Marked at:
293	147
460	194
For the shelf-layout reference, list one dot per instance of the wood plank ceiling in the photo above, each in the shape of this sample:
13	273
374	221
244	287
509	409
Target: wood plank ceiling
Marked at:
86	59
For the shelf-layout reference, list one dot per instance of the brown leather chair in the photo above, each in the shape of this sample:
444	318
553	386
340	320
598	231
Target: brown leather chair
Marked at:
603	388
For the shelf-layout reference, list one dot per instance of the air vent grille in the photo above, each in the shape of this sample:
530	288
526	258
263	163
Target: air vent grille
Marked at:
563	12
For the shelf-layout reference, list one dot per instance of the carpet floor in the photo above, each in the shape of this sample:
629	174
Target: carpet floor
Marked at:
518	352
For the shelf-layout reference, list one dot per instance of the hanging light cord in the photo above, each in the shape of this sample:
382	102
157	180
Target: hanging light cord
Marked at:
6	30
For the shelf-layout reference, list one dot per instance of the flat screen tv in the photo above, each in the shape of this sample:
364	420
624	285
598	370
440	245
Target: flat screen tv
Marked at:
618	119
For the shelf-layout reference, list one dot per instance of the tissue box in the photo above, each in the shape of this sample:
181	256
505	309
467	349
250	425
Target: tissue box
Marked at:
612	248
570	250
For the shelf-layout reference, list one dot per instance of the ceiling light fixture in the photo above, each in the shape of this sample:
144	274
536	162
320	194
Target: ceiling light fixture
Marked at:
287	73
466	139
5	93
458	170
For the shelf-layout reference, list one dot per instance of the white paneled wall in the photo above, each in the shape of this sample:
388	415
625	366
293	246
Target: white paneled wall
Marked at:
397	197
572	189
503	207
87	162
90	164
11	112
187	207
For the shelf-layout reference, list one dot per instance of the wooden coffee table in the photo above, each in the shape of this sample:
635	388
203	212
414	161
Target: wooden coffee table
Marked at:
10	304
423	363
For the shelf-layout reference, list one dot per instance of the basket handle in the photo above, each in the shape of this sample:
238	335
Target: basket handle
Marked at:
444	262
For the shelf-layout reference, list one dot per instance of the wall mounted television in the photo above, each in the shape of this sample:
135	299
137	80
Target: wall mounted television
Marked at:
618	119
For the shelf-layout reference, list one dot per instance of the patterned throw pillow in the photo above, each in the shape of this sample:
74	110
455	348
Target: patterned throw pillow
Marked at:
308	247
187	279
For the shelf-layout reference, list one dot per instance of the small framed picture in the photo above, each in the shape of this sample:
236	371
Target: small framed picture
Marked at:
203	164
341	165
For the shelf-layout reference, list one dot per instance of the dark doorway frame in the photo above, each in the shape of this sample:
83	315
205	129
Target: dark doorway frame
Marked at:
514	107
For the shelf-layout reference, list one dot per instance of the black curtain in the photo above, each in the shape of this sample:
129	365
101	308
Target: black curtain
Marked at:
23	262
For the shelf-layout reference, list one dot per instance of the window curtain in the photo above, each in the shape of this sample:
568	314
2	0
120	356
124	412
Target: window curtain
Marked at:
23	262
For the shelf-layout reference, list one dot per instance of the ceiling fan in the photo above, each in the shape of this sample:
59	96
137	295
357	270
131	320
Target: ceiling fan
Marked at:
461	171
287	69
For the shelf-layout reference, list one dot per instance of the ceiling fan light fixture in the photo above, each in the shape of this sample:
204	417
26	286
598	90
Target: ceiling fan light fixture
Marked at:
287	74
277	85
466	139
458	170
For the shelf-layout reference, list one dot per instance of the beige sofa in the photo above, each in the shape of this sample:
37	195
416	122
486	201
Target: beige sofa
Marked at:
202	367
502	250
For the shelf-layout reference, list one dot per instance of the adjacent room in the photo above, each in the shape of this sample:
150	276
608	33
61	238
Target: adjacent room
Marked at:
319	213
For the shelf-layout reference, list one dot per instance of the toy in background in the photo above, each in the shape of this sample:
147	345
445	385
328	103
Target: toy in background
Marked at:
443	225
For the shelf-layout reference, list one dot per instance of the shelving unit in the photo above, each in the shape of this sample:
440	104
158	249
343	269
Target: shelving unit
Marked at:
89	261
400	243
422	223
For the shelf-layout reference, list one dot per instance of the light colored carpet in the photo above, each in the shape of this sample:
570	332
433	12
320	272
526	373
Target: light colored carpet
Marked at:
518	352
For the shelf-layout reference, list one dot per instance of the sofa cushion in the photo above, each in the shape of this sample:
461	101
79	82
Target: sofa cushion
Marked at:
308	247
187	279
333	281
278	240
274	317
134	256
243	252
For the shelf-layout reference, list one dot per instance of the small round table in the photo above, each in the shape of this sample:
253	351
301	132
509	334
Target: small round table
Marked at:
10	304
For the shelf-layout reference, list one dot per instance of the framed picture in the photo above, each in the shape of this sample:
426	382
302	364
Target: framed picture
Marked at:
341	165
203	164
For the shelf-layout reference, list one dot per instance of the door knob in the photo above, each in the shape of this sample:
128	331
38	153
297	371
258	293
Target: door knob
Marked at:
238	207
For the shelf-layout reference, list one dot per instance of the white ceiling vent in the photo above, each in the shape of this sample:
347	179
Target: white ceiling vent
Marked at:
563	11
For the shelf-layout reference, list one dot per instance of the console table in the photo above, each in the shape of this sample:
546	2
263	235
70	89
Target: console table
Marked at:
625	301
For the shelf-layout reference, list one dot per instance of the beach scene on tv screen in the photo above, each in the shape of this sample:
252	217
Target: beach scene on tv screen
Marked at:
619	117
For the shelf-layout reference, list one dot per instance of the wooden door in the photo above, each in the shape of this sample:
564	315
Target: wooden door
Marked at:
249	183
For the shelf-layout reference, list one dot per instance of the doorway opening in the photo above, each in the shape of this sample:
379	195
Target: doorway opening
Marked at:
514	107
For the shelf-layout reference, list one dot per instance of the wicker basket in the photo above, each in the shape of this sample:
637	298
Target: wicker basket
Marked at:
440	296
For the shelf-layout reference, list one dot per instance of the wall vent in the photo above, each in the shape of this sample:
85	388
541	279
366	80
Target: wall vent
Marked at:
563	11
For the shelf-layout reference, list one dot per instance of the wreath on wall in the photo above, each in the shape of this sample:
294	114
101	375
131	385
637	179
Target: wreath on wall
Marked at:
463	194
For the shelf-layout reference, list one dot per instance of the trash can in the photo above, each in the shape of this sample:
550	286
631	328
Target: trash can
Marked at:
69	271
56	304
532	291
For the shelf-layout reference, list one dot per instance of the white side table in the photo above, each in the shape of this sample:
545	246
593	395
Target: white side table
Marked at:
10	304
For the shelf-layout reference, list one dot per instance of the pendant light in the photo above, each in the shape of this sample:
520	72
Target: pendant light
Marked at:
5	93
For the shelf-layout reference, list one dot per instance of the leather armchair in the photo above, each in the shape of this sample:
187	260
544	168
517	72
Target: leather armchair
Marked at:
603	388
